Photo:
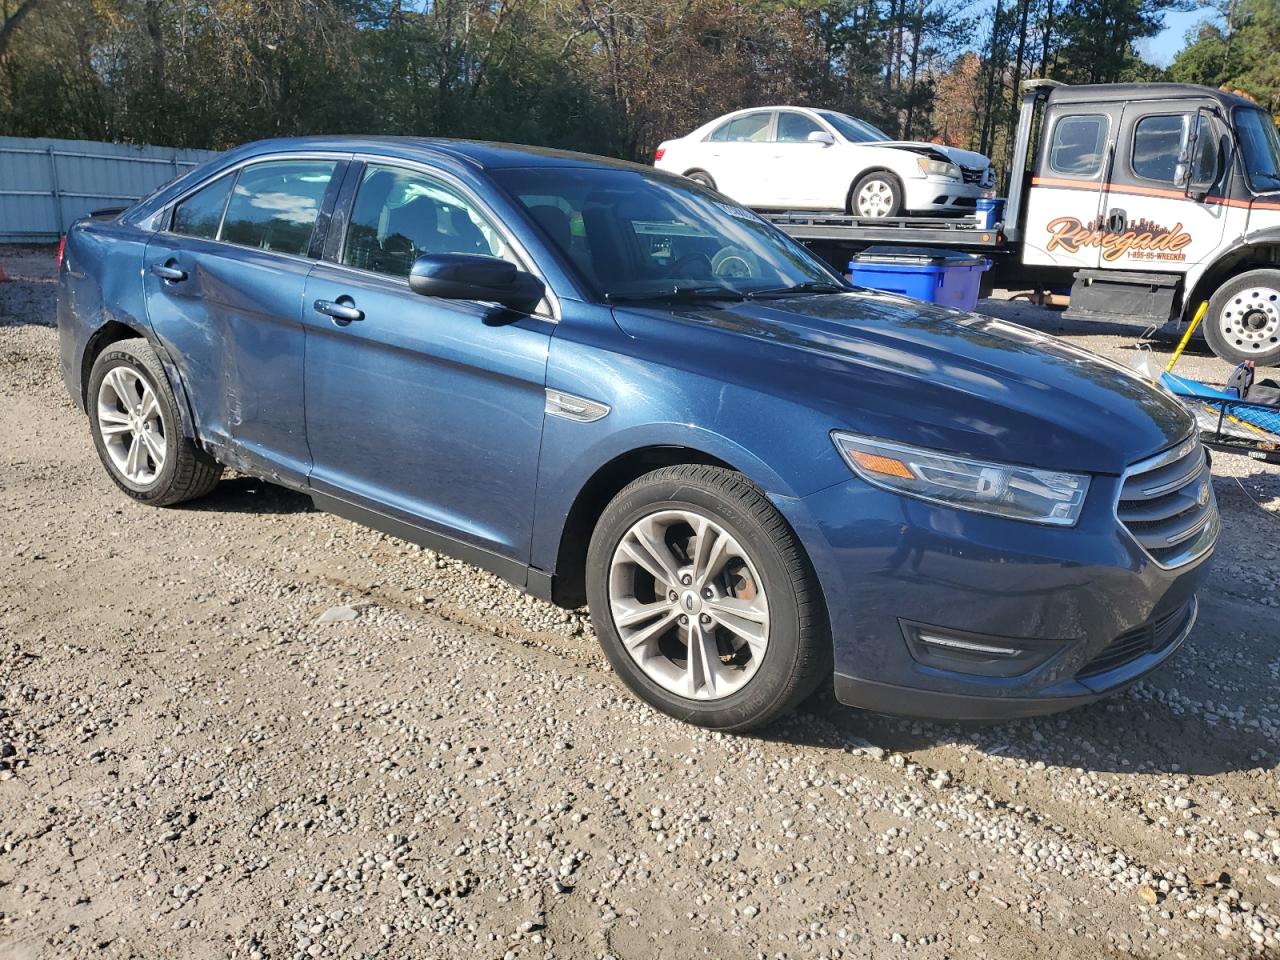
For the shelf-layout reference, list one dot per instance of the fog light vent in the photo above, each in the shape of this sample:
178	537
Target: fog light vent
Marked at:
958	651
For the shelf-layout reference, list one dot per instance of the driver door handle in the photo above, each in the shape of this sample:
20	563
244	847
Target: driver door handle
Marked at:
343	310
167	271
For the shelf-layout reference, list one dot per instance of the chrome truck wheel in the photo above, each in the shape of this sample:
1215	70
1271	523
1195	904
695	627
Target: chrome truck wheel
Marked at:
1243	320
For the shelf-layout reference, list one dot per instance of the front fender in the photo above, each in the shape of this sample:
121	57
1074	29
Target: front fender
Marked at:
655	404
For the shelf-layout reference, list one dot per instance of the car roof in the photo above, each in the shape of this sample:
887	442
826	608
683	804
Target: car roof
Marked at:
478	154
1109	92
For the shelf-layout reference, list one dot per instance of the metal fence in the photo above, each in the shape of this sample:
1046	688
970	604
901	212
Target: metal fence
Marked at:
46	185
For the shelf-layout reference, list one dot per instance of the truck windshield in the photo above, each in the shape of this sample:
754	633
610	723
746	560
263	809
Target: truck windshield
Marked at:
634	235
853	129
1260	149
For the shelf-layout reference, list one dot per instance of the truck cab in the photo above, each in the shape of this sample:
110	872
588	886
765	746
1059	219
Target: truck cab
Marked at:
1148	199
1145	200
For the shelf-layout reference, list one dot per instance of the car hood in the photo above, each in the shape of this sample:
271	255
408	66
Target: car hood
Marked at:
895	368
966	158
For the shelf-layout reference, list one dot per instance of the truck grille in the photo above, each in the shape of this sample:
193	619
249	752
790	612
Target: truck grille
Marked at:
1167	505
1156	634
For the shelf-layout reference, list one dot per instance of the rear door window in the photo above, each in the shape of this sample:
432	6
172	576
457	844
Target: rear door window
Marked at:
752	128
1078	146
274	205
200	214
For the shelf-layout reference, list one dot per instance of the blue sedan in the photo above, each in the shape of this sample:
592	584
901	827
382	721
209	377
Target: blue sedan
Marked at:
614	386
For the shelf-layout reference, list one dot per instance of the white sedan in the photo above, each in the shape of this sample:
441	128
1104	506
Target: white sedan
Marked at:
795	158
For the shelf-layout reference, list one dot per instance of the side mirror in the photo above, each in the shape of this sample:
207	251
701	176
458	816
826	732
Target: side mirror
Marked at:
822	137
466	276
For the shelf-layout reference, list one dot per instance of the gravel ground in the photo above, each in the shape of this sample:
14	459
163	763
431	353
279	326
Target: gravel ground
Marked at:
194	764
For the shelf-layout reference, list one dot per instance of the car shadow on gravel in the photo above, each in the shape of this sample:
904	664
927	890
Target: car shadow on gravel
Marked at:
1143	730
240	494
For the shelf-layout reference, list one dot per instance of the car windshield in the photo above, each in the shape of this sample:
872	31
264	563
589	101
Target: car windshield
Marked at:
853	129
634	235
1260	147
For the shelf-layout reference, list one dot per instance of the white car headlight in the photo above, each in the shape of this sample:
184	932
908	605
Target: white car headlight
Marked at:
1020	493
938	168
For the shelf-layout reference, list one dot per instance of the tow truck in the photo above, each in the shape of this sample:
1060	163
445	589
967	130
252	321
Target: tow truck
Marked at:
1144	199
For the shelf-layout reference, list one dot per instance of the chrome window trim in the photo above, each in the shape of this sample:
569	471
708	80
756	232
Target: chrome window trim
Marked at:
1213	518
165	213
164	216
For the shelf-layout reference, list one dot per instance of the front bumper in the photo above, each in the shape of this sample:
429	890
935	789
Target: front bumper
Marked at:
942	194
887	562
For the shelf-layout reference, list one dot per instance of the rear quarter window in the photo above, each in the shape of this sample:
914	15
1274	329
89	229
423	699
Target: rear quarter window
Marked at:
200	215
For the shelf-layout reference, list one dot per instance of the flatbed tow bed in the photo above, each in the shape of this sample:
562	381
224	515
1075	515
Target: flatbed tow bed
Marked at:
961	233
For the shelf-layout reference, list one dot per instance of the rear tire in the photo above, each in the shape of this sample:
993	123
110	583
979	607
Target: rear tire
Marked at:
876	194
750	604
701	177
1243	319
133	416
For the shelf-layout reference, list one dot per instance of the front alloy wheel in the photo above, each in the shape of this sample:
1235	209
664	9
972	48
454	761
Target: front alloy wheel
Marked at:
704	600
687	602
876	195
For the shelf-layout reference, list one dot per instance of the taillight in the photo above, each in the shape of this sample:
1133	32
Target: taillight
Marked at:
62	248
657	154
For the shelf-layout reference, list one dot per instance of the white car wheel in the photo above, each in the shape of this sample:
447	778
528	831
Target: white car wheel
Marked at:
876	195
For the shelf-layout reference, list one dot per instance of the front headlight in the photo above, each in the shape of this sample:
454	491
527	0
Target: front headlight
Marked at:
938	168
1021	493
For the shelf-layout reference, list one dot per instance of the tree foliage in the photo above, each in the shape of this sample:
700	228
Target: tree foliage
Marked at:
606	76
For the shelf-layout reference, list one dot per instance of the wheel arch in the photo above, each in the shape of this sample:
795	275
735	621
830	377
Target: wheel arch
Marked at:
601	487
875	168
1260	251
115	331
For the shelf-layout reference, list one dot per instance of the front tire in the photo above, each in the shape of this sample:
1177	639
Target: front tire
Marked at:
704	600
1243	319
133	416
876	194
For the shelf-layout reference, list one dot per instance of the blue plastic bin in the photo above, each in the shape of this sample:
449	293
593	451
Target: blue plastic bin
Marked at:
988	211
937	276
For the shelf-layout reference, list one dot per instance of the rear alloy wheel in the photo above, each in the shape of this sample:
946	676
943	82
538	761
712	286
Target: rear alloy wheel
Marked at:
875	195
704	601
1243	320
134	418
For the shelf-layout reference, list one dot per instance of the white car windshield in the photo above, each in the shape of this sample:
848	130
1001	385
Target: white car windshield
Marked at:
1260	147
634	235
853	129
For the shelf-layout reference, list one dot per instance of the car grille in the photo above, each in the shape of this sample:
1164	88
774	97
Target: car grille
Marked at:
1154	635
972	174
1167	505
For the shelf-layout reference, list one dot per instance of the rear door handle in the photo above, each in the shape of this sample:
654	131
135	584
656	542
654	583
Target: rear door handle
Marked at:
343	310
167	271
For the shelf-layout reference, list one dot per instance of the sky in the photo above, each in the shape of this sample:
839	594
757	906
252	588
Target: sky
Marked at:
1162	48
